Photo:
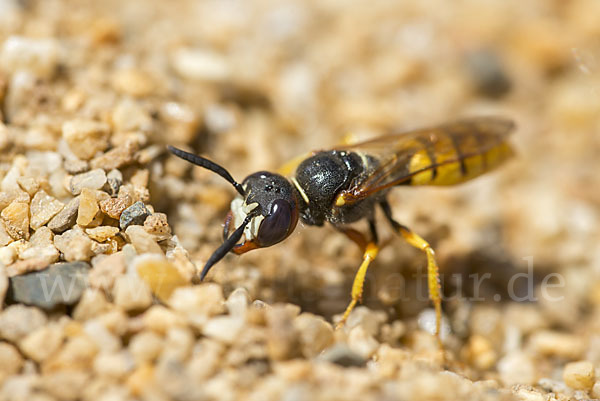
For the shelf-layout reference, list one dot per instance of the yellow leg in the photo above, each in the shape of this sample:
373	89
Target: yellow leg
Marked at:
433	276
369	255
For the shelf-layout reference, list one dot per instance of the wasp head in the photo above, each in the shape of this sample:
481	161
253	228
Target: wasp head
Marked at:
270	201
264	213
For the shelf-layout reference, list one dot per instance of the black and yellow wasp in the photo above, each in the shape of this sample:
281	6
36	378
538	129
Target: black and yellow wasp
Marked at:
345	184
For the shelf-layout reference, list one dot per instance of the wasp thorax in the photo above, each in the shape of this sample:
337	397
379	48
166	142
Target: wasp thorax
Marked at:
271	202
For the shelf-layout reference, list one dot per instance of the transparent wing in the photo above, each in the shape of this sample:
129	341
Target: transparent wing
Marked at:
442	155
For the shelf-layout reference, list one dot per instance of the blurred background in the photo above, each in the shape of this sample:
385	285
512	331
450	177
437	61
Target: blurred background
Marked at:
251	84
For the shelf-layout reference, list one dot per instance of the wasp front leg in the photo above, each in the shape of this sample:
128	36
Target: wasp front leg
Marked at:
370	250
433	275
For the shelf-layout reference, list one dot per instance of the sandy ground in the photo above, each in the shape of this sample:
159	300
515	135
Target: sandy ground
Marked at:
92	92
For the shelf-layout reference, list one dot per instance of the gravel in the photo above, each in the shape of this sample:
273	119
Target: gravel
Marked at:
90	199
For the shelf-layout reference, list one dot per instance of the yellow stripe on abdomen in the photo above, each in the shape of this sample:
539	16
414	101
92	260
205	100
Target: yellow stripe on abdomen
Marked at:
421	161
475	165
448	161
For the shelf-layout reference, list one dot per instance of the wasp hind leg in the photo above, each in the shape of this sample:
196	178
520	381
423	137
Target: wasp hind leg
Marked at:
433	276
370	250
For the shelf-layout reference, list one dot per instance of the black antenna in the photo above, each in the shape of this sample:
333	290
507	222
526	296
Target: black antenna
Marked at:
207	164
225	247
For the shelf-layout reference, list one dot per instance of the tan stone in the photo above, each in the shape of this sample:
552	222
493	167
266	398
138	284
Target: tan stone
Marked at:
157	225
579	375
11	360
113	207
88	207
105	272
117	157
29	184
16	219
26	266
160	274
102	233
131	293
86	137
43	342
133	82
43	208
142	241
74	245
77	354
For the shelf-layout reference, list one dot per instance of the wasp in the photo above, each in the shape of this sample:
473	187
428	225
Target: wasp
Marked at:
345	184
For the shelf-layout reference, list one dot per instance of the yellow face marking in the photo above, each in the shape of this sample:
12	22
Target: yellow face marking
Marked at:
299	188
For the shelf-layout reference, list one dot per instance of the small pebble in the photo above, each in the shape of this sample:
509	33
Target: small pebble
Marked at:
88	207
59	284
114	207
142	241
200	64
135	214
159	319
517	368
43	342
102	233
105	340
145	346
74	244
117	157
93	179
66	218
64	384
39	57
5	238
553	343
361	342
113	365
315	334
480	352
11	360
157	225
223	328
342	355
160	274
43	208
29	185
26	266
179	343
16	220
17	321
133	82
283	339
41	237
488	73
91	304
129	116
105	272
115	180
77	354
237	302
579	375
131	293
205	300
86	137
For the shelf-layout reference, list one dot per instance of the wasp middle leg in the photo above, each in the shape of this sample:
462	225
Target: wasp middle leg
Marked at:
370	250
433	275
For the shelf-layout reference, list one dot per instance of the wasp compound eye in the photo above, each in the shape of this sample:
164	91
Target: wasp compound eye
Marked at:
278	224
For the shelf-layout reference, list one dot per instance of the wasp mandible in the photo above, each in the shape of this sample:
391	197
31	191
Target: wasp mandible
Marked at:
343	185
